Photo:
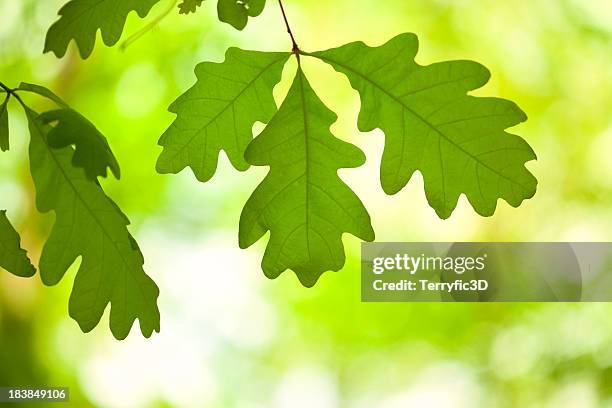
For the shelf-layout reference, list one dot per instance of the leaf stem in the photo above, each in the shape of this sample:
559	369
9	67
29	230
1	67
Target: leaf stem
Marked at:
5	88
295	49
11	92
150	26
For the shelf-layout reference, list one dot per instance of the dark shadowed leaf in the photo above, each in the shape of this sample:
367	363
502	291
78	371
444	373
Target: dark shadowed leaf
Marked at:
12	257
92	151
189	6
42	91
81	19
91	226
237	12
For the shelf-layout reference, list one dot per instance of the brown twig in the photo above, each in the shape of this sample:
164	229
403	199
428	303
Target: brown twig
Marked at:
295	49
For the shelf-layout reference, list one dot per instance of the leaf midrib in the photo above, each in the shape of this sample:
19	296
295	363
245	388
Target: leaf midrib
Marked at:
306	157
425	121
89	210
231	102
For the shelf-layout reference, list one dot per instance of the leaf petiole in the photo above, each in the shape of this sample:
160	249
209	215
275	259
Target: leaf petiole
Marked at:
10	92
295	49
150	26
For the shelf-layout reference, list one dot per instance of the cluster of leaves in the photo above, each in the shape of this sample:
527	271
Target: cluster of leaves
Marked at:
67	155
81	19
458	142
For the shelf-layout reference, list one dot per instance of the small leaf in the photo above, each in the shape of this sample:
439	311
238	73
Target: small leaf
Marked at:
302	201
4	125
42	91
92	150
189	6
457	141
81	19
237	12
219	111
90	225
12	257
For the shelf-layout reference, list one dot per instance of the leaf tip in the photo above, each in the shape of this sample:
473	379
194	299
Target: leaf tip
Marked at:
391	186
309	279
308	282
443	213
370	235
116	170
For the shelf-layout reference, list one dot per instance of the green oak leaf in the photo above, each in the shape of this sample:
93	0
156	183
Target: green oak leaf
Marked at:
219	111
237	12
457	141
92	151
4	125
42	91
81	19
189	6
302	201
12	257
90	225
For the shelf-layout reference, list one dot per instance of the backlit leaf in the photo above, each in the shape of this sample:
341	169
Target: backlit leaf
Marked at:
189	6
302	201
457	141
219	111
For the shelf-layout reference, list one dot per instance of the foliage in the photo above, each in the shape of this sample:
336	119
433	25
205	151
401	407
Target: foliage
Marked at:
479	354
88	223
81	19
302	201
92	151
12	257
219	111
455	140
237	12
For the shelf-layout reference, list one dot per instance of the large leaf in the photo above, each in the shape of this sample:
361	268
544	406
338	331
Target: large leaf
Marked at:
237	12
302	201
92	150
12	257
4	125
81	19
457	141
90	225
219	111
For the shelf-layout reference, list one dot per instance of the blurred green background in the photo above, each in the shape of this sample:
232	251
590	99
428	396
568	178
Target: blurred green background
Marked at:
232	338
